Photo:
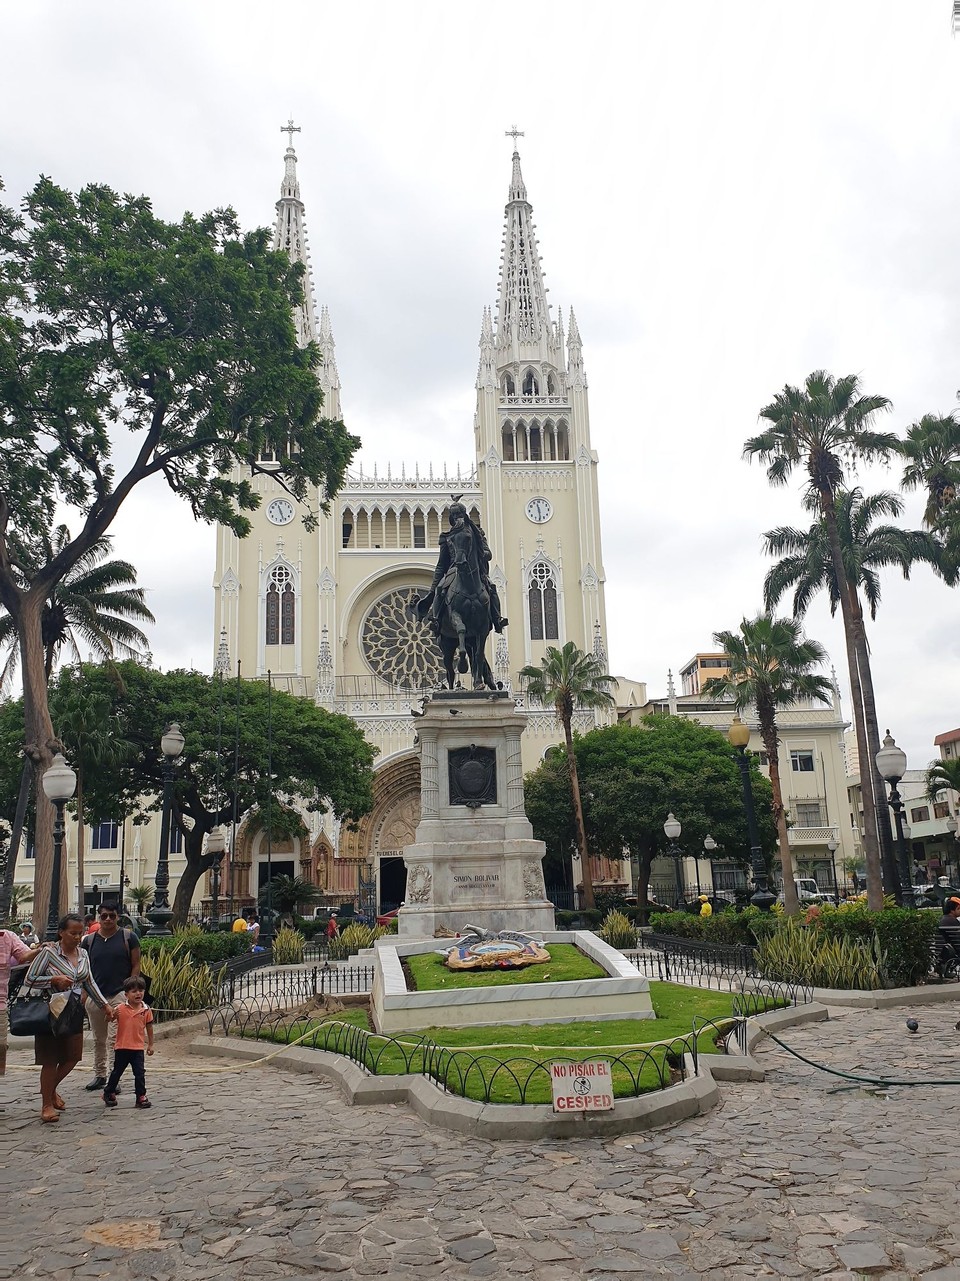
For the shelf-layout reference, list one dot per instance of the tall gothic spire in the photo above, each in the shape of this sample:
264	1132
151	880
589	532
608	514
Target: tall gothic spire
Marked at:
290	235
523	317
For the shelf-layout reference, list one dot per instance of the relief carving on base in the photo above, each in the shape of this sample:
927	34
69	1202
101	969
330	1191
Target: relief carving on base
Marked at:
533	881
419	884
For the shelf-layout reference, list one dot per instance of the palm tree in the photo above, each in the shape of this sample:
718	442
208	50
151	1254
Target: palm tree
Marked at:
570	679
932	454
93	604
942	776
770	668
141	895
807	567
822	427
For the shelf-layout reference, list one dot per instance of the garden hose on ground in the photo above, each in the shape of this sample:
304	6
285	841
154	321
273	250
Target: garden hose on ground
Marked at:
849	1076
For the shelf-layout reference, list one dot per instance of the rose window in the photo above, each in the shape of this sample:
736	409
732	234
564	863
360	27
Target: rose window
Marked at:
396	646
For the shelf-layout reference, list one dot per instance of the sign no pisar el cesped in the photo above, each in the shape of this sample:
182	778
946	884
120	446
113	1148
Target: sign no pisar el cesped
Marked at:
582	1087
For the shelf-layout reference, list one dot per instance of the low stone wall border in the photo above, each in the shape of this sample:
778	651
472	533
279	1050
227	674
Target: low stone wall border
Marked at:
697	1094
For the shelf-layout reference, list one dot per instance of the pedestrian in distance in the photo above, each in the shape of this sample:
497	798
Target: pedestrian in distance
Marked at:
90	924
114	957
63	966
253	928
948	927
134	1027
706	908
28	934
333	929
240	925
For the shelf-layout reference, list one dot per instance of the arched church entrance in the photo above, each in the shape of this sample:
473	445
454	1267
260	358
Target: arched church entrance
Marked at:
382	835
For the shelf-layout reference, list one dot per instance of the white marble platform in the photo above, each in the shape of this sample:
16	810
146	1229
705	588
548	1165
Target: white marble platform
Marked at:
623	994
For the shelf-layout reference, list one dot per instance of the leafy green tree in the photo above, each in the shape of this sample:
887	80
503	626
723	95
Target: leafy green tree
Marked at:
771	668
570	679
319	760
807	567
825	428
631	777
95	604
131	347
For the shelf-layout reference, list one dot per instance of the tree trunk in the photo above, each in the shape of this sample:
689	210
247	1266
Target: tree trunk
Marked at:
196	864
871	847
588	900
16	836
771	743
891	870
40	743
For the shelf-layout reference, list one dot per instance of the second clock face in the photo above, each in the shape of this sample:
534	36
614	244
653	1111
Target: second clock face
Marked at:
280	511
539	510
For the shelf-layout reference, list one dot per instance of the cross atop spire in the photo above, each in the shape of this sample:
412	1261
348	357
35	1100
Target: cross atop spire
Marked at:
290	128
513	133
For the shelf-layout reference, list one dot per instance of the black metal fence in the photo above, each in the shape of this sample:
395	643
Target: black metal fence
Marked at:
487	1077
296	986
710	965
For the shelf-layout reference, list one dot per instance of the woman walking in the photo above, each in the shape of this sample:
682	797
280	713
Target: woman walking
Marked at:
63	966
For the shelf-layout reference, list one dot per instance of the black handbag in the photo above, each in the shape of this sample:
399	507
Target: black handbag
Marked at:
30	1015
70	1019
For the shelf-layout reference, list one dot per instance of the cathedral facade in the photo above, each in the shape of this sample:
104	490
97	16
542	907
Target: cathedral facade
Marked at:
328	613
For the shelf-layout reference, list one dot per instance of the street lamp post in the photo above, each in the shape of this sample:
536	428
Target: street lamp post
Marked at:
709	849
672	830
738	736
59	782
832	847
954	829
159	913
891	766
216	844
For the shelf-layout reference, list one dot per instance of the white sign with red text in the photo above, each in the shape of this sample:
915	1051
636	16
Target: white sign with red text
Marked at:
582	1087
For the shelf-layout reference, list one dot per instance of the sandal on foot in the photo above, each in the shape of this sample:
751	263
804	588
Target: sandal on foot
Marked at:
59	1104
49	1115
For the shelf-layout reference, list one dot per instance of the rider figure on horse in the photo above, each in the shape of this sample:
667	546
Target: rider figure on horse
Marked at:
436	599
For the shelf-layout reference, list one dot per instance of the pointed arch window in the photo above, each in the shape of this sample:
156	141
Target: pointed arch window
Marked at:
542	598
281	608
530	385
509	386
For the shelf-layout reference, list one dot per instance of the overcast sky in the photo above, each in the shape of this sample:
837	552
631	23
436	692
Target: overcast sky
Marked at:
730	195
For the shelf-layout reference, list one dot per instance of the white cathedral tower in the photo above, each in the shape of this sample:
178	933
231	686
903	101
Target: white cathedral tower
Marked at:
327	613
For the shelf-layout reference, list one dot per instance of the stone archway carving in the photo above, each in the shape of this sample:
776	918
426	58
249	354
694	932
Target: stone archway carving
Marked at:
395	813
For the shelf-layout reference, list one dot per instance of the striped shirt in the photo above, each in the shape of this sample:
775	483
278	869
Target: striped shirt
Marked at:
52	963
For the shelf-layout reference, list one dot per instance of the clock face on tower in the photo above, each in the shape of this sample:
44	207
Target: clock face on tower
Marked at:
280	511
539	510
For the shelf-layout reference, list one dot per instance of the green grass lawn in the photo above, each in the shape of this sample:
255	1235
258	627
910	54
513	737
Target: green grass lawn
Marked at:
510	1064
566	963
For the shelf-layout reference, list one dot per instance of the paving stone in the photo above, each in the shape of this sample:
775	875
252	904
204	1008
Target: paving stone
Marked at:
471	1249
864	1256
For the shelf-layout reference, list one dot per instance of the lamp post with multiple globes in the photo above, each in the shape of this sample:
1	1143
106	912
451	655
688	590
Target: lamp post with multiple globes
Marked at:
891	766
672	830
159	913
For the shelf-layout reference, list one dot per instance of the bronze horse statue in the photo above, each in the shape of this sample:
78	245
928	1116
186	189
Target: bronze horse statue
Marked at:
459	603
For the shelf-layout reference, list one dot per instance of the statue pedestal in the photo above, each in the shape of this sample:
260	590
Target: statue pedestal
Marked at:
474	860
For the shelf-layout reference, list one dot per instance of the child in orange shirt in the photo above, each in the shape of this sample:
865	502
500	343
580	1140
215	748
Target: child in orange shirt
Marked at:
134	1025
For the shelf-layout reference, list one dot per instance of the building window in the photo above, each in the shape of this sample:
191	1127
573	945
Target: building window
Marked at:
941	810
801	762
106	835
761	758
808	814
921	814
530	385
281	607
542	596
176	838
419	534
31	850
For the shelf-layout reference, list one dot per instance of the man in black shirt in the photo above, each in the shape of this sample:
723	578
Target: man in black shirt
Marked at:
114	958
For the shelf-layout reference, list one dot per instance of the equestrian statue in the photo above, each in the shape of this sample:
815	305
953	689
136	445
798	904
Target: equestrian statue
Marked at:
462	606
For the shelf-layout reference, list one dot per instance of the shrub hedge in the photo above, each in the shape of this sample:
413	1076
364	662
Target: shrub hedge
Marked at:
198	945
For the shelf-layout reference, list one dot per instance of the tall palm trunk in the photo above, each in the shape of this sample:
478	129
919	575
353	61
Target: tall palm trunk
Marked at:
588	900
888	856
40	740
871	848
771	743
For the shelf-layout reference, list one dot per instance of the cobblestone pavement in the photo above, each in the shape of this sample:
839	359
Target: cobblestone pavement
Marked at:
258	1173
